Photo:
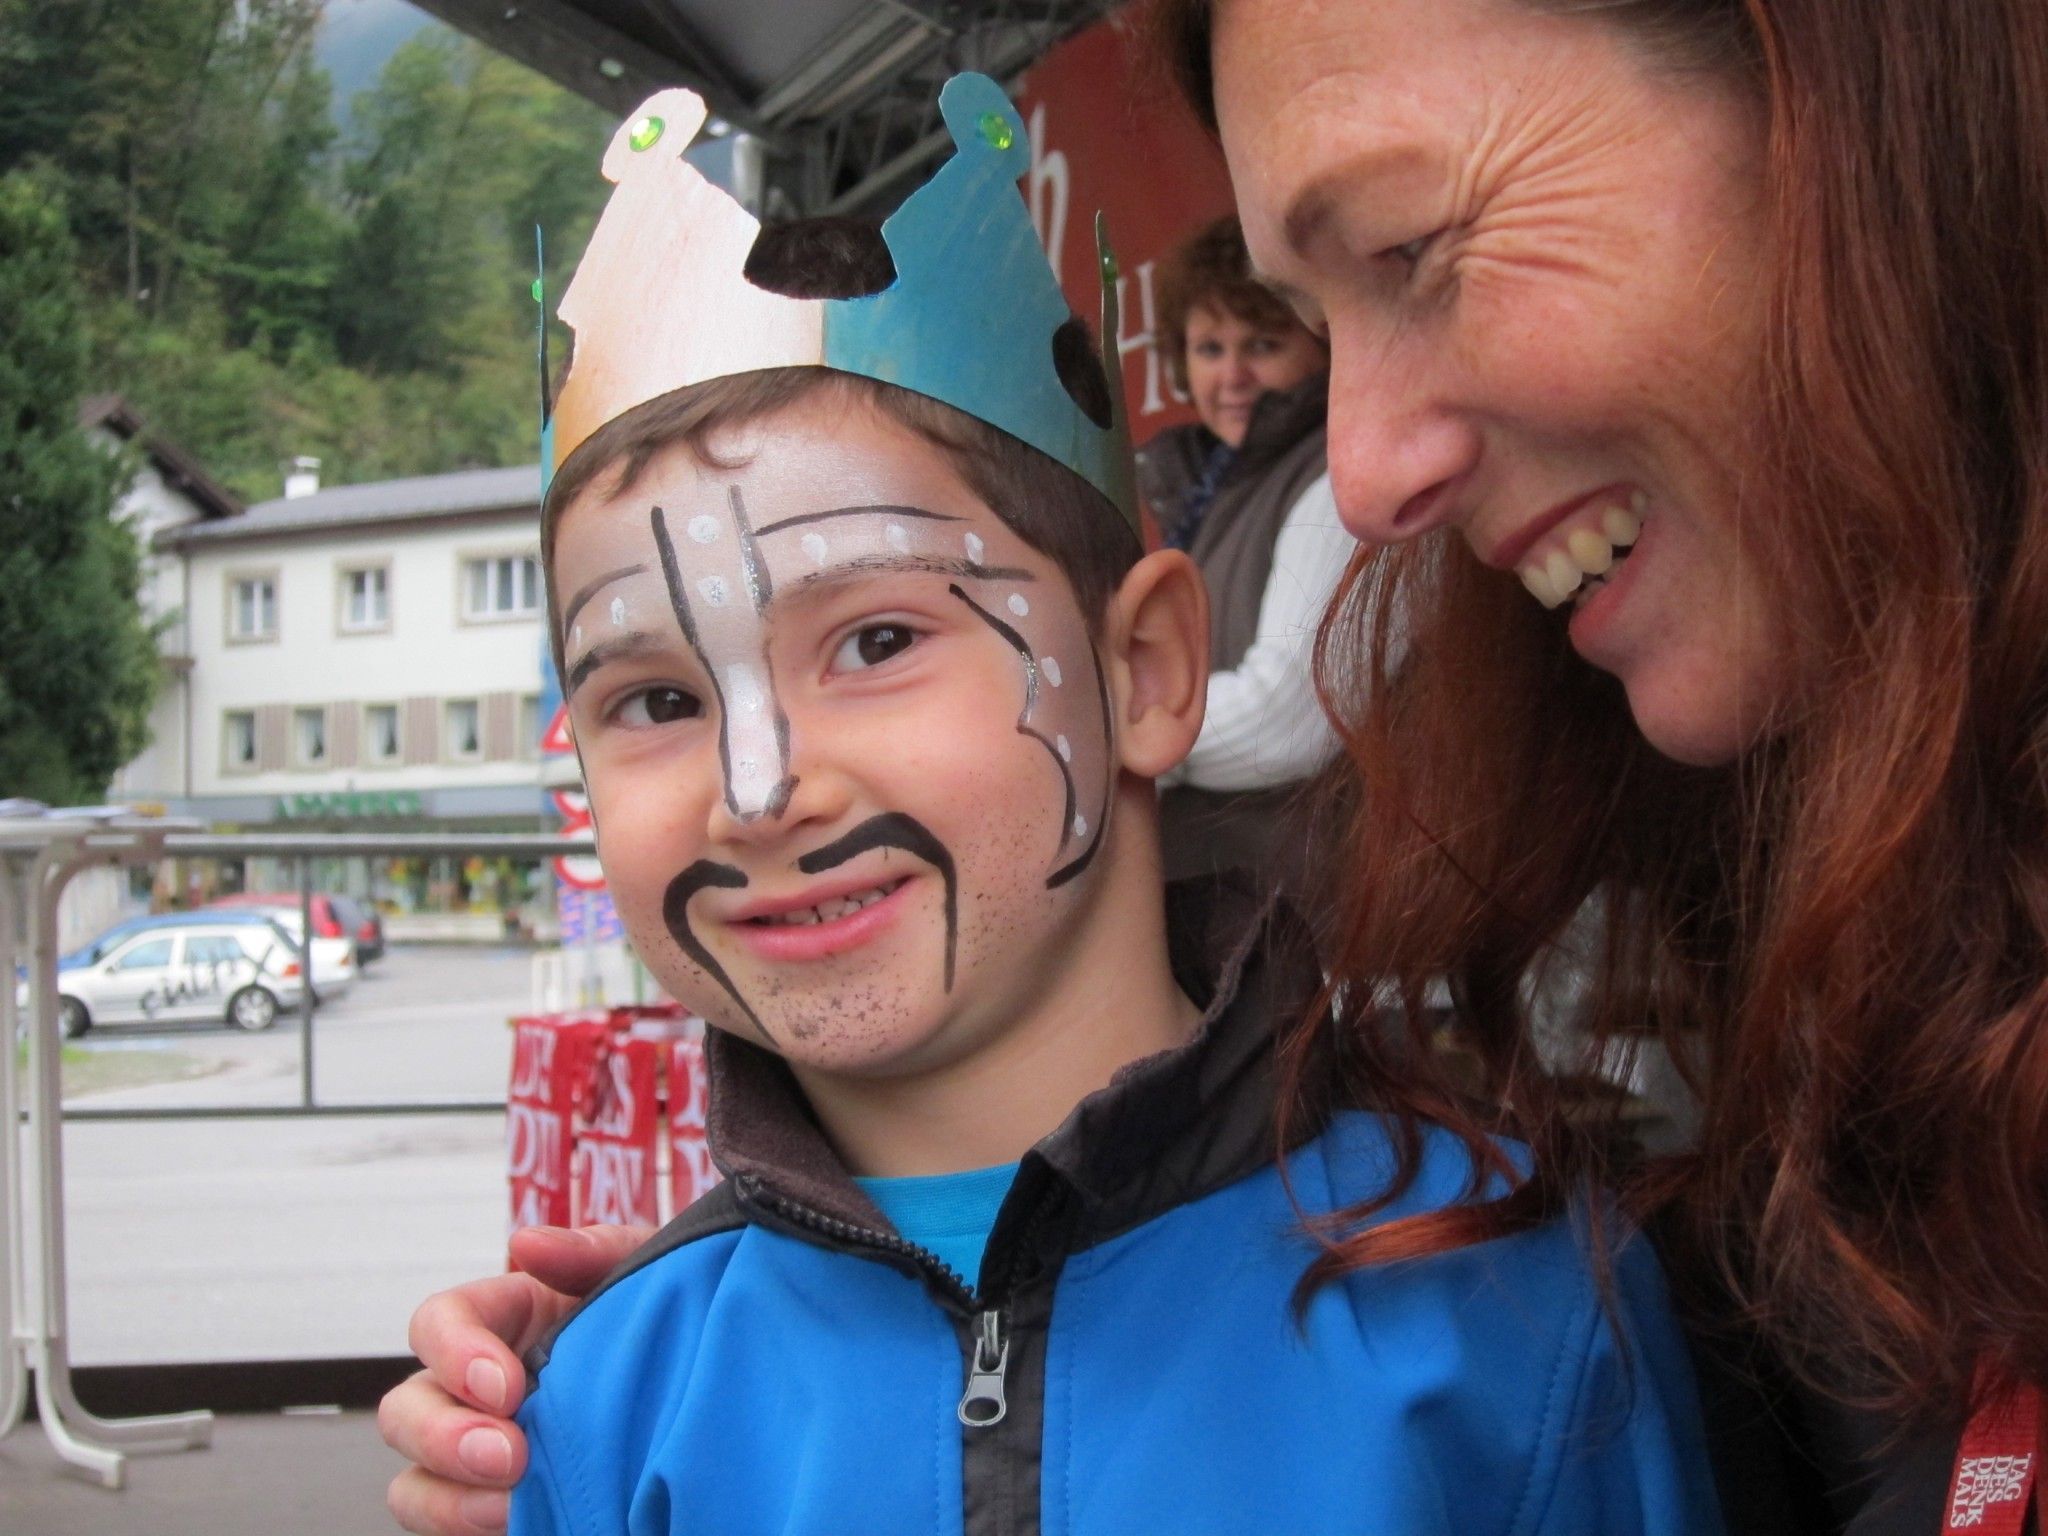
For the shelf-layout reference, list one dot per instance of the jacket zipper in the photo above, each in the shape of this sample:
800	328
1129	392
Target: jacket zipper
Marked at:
984	1402
983	1405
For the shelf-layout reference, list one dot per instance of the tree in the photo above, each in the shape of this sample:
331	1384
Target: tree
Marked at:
78	664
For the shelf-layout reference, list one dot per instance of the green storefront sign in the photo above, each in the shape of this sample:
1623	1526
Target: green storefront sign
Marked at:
384	804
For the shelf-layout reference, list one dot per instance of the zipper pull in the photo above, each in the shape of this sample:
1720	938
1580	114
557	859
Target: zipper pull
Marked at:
983	1404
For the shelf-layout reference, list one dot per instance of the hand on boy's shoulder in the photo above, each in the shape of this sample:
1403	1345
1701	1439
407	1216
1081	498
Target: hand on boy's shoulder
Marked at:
453	1419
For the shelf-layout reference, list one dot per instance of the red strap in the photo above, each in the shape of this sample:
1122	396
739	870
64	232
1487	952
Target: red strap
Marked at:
1996	1462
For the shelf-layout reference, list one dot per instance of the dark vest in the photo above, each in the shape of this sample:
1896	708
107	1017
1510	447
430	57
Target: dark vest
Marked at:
1263	832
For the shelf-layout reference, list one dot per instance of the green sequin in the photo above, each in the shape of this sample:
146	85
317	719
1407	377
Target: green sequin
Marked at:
645	133
996	129
536	290
1110	271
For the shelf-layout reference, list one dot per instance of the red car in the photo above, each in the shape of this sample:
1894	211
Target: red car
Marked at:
334	917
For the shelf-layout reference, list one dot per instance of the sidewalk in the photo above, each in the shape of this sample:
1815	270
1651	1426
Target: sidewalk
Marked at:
266	1475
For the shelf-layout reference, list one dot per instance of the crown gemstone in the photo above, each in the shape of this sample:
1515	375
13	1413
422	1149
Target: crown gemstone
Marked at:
536	290
996	129
646	133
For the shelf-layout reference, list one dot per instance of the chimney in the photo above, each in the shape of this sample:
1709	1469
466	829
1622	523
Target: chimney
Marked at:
301	477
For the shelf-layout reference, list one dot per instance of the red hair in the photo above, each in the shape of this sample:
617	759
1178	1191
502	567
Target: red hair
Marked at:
1846	932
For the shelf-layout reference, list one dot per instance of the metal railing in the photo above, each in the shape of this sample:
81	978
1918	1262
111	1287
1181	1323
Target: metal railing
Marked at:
39	856
302	848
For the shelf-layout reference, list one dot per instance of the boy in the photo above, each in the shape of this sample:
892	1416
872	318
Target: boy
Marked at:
870	696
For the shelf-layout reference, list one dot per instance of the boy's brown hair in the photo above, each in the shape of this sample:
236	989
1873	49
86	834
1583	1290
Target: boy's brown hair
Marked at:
1050	507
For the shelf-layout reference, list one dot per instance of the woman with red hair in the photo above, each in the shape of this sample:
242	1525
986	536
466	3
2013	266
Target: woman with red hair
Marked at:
1689	393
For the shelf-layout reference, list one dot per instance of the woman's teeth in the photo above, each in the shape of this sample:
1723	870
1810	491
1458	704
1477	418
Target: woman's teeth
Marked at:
1585	561
828	911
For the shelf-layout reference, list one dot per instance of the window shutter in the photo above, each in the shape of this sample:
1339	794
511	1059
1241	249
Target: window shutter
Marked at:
422	730
344	722
273	737
501	726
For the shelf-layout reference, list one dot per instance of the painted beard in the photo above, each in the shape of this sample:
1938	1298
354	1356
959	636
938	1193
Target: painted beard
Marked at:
892	829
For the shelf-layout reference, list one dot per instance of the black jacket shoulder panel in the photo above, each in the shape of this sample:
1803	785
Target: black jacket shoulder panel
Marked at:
717	1210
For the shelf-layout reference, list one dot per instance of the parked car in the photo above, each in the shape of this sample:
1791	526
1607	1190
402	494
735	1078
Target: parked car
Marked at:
334	917
365	924
334	959
242	969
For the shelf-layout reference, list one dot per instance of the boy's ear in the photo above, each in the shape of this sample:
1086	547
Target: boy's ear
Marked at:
1158	638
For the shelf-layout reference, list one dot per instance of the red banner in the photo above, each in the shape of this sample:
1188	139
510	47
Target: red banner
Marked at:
690	1170
1139	156
616	1131
550	1061
596	1101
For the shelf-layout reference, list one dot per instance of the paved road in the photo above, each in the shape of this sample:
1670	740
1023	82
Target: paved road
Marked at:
268	1239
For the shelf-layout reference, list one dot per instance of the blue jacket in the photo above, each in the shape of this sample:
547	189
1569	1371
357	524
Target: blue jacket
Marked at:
1127	1361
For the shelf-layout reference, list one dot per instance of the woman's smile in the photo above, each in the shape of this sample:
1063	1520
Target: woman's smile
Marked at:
1543	298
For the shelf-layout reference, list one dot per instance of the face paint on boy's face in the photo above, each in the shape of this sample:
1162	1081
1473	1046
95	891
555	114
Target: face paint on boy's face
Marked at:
848	737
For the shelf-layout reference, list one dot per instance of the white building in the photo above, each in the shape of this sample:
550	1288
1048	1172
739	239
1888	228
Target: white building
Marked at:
169	491
368	656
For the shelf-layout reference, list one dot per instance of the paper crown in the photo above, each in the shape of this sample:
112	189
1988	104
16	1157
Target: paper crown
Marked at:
660	301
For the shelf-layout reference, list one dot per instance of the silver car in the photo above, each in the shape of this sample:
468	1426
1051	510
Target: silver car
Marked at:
244	970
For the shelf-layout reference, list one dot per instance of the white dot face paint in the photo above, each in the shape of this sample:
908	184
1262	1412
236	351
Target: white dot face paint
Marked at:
1010	773
618	613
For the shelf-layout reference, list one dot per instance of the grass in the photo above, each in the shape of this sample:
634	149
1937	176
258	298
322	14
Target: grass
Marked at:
88	1072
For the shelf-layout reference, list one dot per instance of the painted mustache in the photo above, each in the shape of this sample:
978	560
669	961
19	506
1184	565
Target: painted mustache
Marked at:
893	829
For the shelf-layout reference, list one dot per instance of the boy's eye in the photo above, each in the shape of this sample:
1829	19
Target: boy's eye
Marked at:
871	646
658	706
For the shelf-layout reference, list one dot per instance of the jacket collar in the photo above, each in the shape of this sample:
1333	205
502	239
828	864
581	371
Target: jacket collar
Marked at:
1168	1129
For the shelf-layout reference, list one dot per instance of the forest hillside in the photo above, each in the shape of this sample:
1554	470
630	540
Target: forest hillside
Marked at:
260	283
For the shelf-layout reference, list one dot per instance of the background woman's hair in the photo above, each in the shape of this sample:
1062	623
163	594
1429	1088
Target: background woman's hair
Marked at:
1212	270
1848	932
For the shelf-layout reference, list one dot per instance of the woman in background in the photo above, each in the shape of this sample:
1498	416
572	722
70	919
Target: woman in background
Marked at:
1245	490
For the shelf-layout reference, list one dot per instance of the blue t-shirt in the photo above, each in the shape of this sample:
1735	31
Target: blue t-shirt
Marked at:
949	1213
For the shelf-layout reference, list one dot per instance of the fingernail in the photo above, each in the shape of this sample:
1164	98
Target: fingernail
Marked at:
484	1511
486	1452
486	1382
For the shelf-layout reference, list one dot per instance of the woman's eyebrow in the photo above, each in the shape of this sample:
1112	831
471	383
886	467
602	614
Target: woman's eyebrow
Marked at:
592	588
881	510
614	648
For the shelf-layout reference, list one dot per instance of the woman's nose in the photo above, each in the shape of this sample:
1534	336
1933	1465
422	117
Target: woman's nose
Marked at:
1398	454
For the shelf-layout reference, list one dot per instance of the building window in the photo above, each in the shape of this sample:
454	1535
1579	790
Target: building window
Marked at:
501	587
309	737
380	732
365	600
241	739
530	725
252	608
464	739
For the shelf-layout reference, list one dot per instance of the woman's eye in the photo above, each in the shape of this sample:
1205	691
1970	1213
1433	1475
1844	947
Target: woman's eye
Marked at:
871	646
658	706
1414	250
